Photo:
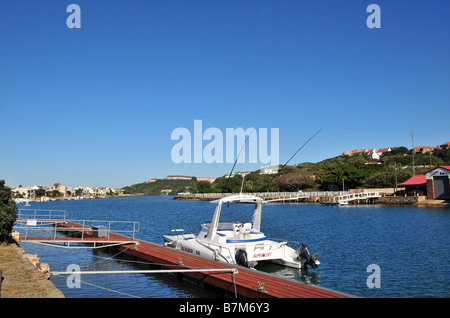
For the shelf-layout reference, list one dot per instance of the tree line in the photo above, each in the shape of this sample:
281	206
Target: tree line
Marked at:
338	173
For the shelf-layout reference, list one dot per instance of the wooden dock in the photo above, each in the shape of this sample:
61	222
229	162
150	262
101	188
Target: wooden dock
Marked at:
243	282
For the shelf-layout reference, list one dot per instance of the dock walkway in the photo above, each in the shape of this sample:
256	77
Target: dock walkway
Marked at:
240	282
346	198
315	196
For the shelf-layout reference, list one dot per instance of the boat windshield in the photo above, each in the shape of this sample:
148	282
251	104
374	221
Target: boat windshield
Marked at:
222	225
232	213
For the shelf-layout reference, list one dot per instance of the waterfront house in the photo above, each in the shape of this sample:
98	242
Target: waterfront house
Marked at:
59	187
26	192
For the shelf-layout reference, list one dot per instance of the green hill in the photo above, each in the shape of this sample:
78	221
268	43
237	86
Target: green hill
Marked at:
154	188
350	172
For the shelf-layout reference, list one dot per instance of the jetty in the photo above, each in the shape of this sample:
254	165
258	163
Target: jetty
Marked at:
344	199
232	280
315	196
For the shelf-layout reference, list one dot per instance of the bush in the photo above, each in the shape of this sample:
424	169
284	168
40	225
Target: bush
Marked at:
8	212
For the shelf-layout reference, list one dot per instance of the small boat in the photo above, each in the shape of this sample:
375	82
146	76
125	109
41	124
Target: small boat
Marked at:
240	243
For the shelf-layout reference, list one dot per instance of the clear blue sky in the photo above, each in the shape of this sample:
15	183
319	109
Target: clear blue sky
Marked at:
97	105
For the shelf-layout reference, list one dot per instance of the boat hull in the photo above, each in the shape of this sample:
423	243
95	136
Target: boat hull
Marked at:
257	251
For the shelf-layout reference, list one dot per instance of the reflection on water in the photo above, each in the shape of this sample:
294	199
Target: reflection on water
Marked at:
113	285
306	276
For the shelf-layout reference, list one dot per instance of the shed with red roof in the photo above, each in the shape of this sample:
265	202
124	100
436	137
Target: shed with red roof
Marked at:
416	185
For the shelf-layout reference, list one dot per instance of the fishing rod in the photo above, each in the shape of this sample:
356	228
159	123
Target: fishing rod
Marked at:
293	157
229	175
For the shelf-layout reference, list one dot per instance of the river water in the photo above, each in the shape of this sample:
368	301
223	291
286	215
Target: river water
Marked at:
408	245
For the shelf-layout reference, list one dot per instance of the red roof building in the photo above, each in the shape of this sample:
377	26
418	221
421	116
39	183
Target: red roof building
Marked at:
415	180
416	185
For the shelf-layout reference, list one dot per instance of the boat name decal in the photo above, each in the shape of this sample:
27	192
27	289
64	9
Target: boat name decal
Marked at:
189	250
262	255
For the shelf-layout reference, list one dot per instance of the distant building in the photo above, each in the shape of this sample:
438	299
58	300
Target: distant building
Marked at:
383	150
175	177
445	145
376	153
371	153
151	180
210	179
353	152
26	192
423	149
59	187
269	170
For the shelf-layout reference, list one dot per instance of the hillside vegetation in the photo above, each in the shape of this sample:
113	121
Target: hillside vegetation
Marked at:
154	188
350	172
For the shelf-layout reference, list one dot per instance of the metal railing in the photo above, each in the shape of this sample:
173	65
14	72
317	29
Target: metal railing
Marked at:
89	227
48	229
268	194
40	214
356	196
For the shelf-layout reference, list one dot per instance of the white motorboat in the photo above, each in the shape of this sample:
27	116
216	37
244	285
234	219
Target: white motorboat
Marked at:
240	243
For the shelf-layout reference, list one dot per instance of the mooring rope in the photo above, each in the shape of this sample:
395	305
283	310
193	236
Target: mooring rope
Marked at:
112	257
109	289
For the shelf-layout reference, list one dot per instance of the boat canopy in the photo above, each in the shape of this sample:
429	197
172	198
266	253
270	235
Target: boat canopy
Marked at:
240	198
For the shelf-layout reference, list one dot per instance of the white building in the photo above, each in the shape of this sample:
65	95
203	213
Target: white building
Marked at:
26	192
376	153
269	170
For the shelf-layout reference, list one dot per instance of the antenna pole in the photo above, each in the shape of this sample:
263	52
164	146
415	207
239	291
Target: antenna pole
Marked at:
413	152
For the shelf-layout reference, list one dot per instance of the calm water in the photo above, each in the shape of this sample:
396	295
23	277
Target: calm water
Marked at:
409	244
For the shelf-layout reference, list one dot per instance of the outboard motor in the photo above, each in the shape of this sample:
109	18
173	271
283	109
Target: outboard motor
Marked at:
304	256
241	258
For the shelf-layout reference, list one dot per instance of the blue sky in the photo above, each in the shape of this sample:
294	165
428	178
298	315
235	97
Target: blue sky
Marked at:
97	105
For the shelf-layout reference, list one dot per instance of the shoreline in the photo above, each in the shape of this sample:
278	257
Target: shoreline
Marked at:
387	200
24	276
